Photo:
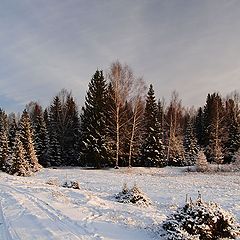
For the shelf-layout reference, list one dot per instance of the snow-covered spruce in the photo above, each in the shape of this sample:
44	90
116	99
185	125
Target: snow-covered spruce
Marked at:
134	195
200	220
71	184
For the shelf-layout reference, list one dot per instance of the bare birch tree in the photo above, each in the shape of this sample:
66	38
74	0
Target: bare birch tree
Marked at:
138	111
124	85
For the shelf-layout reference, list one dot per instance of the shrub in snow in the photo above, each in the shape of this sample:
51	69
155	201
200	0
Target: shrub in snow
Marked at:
133	195
71	184
201	221
201	162
53	181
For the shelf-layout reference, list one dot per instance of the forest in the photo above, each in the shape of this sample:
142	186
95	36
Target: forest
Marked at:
122	123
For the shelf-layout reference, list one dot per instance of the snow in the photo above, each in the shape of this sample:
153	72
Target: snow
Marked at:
32	209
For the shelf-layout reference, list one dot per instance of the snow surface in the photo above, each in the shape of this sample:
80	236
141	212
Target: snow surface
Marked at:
32	209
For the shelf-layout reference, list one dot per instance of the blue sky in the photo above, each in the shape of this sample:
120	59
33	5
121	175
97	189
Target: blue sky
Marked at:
190	46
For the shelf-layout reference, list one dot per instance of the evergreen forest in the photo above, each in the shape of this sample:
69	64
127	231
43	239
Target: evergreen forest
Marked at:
122	123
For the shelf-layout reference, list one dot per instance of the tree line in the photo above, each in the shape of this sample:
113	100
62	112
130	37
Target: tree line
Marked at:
121	124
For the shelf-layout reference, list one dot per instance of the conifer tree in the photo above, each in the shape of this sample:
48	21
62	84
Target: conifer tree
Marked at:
72	133
94	150
201	162
4	150
20	166
232	130
199	126
26	137
54	124
12	130
213	128
152	149
190	144
41	138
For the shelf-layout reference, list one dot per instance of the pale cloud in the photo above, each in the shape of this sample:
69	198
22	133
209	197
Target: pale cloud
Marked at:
190	46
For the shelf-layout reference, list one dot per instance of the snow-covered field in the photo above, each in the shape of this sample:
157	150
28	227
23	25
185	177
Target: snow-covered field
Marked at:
31	209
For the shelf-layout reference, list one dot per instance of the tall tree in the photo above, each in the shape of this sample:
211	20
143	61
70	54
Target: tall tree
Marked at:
41	138
4	150
20	166
125	94
53	126
152	150
199	126
232	130
64	129
26	137
213	124
94	150
190	144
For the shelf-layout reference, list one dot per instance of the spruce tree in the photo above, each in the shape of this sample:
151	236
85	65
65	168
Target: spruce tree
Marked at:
199	126
20	166
190	144
26	137
12	130
41	138
201	162
72	133
54	125
232	129
4	150
94	151
213	128
152	149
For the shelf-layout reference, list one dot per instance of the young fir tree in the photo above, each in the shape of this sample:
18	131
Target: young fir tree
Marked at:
4	150
41	138
94	150
26	137
152	149
201	162
190	144
53	126
20	166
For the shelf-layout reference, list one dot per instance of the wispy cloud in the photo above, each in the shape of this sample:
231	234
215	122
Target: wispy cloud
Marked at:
191	46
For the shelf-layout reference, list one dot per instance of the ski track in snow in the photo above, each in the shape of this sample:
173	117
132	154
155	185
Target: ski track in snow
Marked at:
68	229
30	209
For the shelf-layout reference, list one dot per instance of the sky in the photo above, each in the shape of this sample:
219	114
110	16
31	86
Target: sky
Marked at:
190	46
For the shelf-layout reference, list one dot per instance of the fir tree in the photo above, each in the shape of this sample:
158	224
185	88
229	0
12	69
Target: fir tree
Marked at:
72	133
190	144
20	166
201	162
232	129
54	146
26	137
199	126
213	127
12	130
152	149
4	150
94	150
41	138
